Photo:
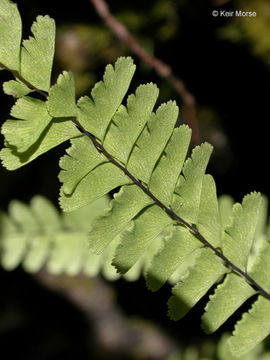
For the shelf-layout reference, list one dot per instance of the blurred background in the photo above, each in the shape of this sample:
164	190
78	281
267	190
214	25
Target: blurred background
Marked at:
225	64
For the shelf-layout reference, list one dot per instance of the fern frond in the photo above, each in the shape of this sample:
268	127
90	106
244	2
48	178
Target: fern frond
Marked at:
188	190
152	141
260	267
82	158
90	187
61	100
225	204
16	88
238	237
134	242
192	196
37	236
123	209
176	250
54	134
252	328
37	53
128	122
95	115
224	353
34	130
207	269
32	117
228	297
166	205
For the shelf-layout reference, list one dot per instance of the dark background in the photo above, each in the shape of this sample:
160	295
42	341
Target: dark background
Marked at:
224	63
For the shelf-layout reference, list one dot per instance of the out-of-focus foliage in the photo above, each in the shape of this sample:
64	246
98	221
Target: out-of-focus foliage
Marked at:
83	48
219	351
253	31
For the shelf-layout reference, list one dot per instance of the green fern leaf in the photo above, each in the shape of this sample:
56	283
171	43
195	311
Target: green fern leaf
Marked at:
209	220
10	35
239	236
155	219
122	213
37	53
151	222
171	162
67	253
16	88
128	122
224	353
188	190
165	221
152	141
207	270
225	204
81	159
54	134
228	297
124	207
141	266
90	188
252	328
142	223
16	240
96	115
175	251
61	100
33	119
37	235
49	223
261	267
131	195
181	245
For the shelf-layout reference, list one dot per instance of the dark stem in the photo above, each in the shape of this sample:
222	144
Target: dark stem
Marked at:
169	211
27	83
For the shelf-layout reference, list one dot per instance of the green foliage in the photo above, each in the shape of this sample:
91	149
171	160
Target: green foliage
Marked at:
219	351
11	32
253	34
37	236
37	53
165	220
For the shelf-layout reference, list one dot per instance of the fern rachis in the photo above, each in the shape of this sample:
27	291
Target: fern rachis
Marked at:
165	206
100	148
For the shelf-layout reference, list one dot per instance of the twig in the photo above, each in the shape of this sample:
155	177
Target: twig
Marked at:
162	69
